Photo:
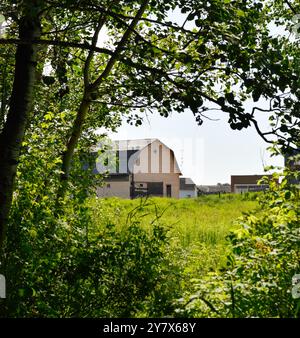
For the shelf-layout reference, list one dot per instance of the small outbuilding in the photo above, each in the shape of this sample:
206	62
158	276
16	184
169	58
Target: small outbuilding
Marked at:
188	188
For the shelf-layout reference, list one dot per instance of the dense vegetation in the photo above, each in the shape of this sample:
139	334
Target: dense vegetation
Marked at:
131	258
161	257
258	278
65	254
196	228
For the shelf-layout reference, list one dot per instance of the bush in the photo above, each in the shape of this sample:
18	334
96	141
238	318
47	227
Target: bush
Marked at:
265	255
102	273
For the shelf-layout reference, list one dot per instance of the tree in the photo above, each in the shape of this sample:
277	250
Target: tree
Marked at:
13	130
151	62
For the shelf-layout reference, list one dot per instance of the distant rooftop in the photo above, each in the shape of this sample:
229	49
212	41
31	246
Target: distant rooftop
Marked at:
123	145
252	175
187	183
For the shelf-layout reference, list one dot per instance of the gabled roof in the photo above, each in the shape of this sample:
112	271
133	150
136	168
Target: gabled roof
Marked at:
187	183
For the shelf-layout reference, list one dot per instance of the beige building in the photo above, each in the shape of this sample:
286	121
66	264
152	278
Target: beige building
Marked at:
248	183
145	167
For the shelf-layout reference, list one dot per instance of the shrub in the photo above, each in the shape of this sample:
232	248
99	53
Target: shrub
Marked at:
75	273
265	255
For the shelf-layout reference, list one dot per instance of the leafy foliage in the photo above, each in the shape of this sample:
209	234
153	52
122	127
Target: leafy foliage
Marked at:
75	271
264	257
158	56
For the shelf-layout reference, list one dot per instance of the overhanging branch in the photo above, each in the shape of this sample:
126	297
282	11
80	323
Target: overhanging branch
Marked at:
85	46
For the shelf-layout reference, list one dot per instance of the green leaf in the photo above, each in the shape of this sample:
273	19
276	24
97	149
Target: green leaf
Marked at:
240	13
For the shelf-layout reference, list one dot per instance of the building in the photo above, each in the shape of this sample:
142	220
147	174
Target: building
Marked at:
248	183
187	188
145	167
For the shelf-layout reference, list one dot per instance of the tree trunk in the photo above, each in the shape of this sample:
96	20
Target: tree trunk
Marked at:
85	104
20	104
68	154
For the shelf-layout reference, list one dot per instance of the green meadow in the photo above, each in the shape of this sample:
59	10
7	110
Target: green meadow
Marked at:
196	228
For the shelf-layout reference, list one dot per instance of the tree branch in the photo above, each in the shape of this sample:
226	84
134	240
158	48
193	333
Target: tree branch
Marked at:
264	110
129	17
290	6
69	28
120	46
89	58
166	24
117	17
101	23
122	104
85	105
85	46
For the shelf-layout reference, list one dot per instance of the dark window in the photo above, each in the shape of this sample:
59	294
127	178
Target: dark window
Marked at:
156	188
147	189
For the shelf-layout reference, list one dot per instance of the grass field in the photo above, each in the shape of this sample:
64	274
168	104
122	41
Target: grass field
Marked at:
196	227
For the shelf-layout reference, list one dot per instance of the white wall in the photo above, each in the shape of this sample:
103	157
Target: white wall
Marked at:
187	193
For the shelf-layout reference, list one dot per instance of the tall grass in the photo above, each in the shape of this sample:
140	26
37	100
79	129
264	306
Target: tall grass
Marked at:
197	227
206	219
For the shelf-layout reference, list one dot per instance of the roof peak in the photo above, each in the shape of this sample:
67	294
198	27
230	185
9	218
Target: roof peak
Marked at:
136	139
